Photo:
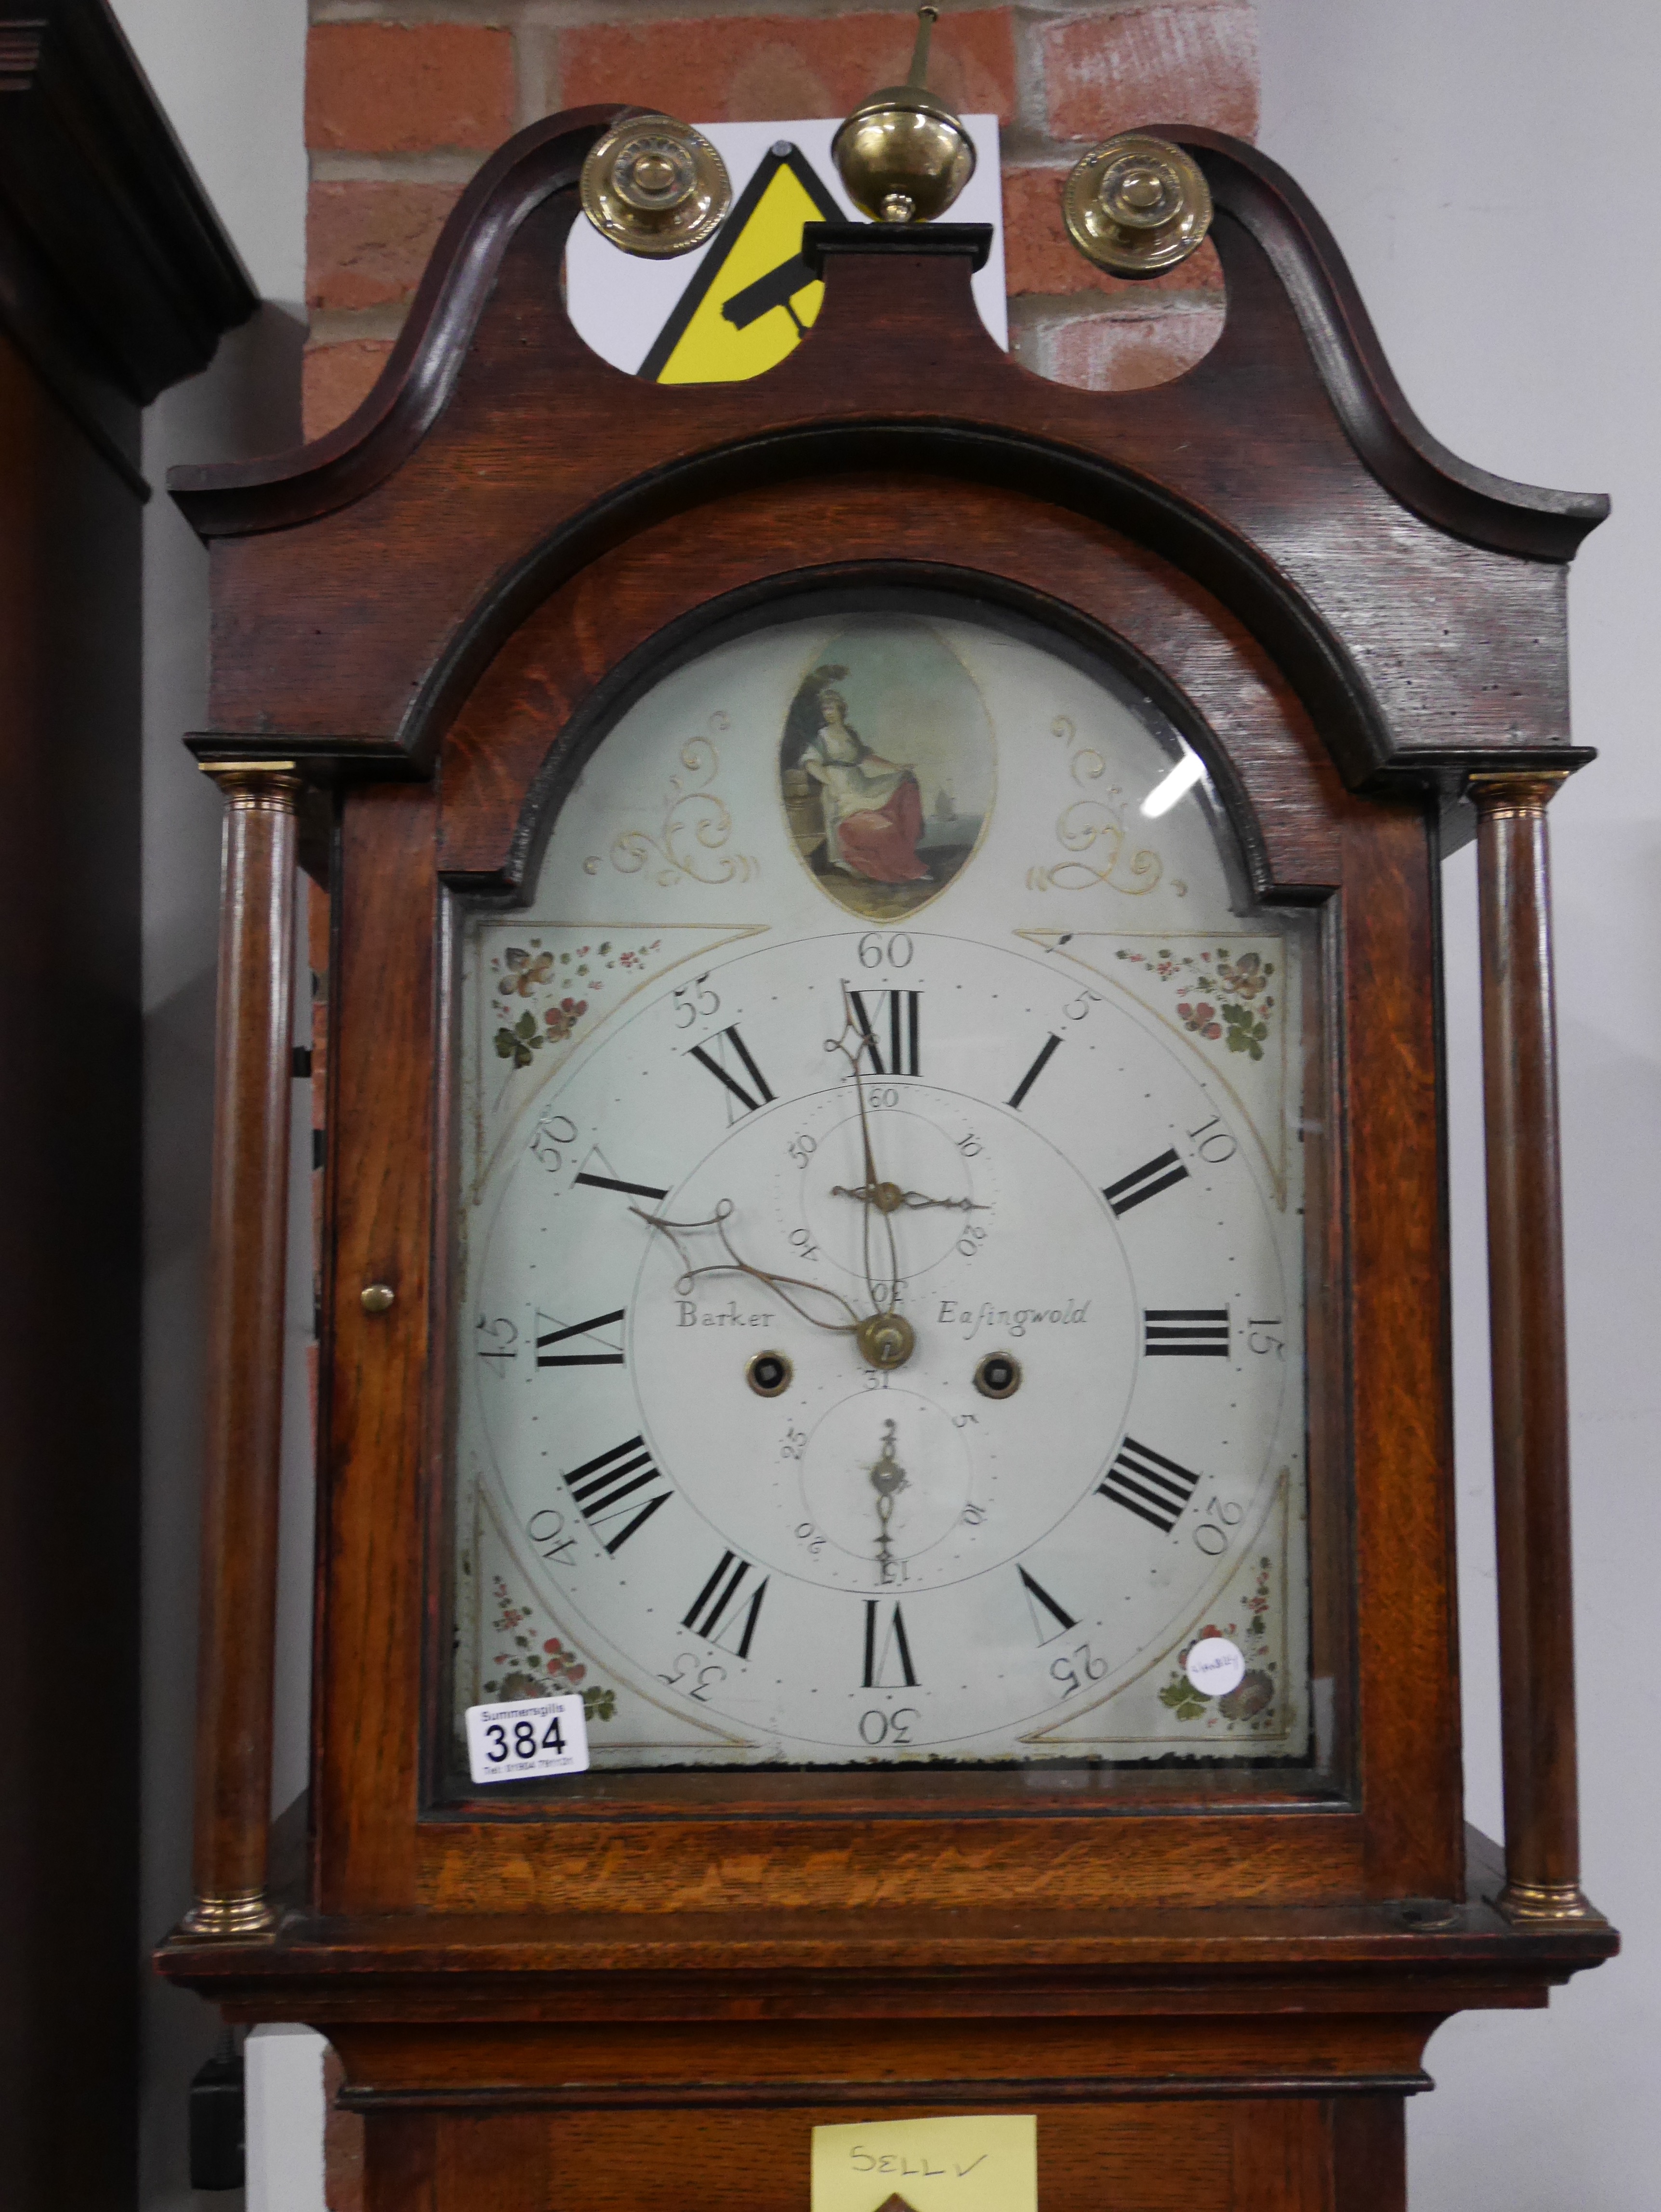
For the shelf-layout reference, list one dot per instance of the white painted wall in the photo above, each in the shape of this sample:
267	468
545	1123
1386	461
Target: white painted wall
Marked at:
230	74
1482	163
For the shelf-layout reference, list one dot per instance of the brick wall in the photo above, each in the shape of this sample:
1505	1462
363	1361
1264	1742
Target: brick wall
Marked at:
404	98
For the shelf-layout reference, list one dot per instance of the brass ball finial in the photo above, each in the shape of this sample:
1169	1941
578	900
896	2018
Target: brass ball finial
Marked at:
1137	204
904	155
654	186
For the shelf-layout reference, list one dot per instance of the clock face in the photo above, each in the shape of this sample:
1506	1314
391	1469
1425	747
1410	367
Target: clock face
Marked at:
882	1238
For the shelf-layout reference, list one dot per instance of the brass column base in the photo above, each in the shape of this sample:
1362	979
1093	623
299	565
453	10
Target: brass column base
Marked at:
237	1913
1547	1904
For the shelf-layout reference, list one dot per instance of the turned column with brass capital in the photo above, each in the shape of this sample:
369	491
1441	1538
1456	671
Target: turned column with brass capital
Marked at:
1528	1351
252	1081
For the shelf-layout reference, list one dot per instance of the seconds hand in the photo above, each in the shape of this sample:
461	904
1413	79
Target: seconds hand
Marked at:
887	1477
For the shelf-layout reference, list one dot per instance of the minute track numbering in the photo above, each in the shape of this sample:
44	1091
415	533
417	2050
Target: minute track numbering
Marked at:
880	1561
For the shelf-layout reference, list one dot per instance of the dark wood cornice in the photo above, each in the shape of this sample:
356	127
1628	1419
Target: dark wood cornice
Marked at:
1418	469
116	276
1200	471
229	498
1246	186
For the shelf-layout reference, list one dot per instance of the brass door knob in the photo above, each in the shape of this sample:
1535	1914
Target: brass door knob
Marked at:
1136	205
377	1297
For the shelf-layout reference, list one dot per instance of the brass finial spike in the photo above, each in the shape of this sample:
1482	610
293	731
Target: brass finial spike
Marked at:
926	19
904	155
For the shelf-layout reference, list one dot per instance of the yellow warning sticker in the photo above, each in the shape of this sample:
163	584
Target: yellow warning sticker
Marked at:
754	298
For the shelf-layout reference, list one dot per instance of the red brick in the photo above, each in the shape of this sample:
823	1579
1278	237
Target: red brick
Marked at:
367	244
336	379
408	88
757	67
1128	352
1040	258
1170	64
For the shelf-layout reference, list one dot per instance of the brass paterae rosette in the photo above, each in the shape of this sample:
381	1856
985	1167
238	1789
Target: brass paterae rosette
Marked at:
1136	205
655	186
904	155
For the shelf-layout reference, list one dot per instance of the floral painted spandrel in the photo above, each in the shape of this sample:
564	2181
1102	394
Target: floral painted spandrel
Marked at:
540	992
1249	1708
1227	997
528	1664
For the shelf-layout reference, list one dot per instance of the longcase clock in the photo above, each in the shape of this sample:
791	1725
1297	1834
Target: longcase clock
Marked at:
885	1229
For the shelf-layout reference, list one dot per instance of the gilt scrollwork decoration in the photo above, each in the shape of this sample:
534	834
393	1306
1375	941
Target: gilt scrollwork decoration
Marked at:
689	844
1095	827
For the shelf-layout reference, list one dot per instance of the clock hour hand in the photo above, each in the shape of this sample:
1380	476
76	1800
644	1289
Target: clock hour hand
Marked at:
883	1339
888	1198
736	1264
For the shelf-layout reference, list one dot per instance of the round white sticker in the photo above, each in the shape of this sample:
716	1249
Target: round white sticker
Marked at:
1214	1666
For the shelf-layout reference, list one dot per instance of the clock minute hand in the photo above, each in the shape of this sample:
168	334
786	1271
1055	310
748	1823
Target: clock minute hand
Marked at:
874	1181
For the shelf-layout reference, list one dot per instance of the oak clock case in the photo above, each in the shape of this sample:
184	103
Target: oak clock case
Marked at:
858	986
736	805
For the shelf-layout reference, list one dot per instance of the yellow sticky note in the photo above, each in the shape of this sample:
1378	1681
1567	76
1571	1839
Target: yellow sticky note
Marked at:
984	2164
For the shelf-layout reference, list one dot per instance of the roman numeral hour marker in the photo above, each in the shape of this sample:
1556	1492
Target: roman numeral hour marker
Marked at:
1034	1072
1143	1183
1185	1331
729	1042
606	1488
1148	1484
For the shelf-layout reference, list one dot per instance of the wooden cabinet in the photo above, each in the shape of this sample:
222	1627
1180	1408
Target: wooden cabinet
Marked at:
1210	1972
115	281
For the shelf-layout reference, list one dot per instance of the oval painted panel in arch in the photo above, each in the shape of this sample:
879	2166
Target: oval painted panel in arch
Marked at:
887	765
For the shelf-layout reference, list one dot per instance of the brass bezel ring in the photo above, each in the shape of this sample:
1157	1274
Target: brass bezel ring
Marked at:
988	1381
886	1340
1130	240
770	1374
626	217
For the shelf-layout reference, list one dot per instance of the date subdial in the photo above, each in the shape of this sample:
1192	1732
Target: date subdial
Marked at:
904	1456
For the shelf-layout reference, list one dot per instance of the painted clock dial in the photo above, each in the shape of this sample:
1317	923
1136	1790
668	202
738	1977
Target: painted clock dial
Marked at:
882	1236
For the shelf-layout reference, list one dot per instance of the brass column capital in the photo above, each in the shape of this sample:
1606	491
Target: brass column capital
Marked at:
233	1917
1548	1904
272	786
1505	794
